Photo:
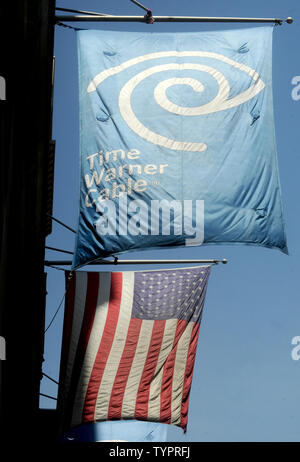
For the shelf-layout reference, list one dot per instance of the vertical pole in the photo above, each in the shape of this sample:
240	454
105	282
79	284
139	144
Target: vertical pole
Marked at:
25	135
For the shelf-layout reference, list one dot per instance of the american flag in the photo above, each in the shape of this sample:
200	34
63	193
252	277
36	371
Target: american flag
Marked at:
129	345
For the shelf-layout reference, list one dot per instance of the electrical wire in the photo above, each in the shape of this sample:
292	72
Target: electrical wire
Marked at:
56	312
47	396
50	378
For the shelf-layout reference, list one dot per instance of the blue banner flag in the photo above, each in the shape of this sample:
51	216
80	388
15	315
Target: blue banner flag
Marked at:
177	142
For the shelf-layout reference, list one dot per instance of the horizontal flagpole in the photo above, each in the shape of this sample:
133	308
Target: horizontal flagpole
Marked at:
133	262
113	18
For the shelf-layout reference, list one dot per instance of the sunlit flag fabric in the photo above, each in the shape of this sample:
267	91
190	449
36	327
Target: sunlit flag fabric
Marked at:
129	345
177	141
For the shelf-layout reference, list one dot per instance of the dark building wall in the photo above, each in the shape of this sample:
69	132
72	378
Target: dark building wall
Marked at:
26	37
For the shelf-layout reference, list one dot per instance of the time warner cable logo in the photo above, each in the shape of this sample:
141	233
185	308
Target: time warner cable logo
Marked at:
2	348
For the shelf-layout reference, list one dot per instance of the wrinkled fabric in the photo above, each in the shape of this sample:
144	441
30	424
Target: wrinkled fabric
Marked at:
177	142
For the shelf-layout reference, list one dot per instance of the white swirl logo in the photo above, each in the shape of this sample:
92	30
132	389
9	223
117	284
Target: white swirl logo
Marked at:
220	102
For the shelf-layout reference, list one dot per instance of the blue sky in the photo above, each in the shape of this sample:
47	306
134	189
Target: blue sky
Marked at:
246	385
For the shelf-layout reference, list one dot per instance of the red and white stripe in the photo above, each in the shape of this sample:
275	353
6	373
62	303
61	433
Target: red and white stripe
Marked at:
118	367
